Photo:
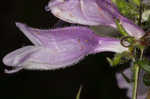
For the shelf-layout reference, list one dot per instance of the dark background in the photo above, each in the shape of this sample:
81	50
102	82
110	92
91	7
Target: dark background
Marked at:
93	73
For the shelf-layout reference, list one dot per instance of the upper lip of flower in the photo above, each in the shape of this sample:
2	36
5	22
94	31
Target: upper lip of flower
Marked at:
30	36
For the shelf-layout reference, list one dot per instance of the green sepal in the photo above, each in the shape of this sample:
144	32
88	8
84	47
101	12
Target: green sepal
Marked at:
105	31
119	58
111	62
115	61
120	28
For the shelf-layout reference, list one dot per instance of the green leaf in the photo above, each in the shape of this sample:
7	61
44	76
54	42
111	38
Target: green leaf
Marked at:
146	79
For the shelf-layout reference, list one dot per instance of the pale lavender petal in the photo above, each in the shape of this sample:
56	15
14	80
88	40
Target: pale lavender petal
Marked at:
42	58
58	48
13	58
78	35
58	37
14	70
49	58
109	44
123	84
86	12
65	53
131	28
69	11
97	12
109	6
16	58
27	32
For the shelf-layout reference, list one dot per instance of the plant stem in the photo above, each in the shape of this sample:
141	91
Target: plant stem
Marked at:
135	83
136	66
136	76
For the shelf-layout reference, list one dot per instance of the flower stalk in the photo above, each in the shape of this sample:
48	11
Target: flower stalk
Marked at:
136	66
135	83
136	75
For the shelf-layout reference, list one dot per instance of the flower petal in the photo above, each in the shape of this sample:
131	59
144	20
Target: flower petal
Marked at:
29	33
48	58
78	12
17	57
63	48
84	36
131	28
42	58
110	44
122	83
98	11
51	37
64	11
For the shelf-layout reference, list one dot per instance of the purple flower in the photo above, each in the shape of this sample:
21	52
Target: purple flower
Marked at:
86	12
92	12
63	47
58	48
123	84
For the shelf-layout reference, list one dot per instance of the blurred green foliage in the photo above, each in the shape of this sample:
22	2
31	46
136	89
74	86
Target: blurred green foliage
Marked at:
137	2
127	8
